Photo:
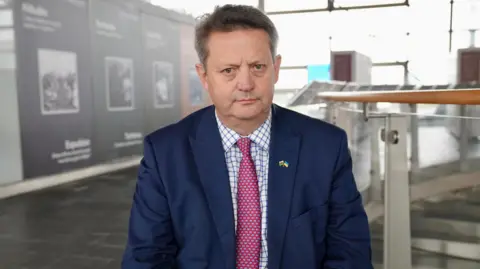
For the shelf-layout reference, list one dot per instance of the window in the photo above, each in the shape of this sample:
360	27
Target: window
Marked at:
429	15
303	38
423	45
276	5
429	58
372	32
352	42
388	75
460	40
388	48
378	21
197	8
292	79
380	48
466	15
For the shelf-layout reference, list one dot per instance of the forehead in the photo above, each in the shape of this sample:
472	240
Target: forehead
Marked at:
239	44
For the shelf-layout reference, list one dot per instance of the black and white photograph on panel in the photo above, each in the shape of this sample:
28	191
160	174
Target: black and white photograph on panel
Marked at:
119	83
163	84
58	82
196	88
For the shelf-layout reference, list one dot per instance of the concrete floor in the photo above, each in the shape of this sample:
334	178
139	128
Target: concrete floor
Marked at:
74	226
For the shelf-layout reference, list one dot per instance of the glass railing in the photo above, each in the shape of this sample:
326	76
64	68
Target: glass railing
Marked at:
417	164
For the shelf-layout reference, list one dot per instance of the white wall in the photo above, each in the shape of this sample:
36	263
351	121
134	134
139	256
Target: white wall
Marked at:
10	146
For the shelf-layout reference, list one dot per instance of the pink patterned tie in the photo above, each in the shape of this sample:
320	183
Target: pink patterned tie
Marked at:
249	215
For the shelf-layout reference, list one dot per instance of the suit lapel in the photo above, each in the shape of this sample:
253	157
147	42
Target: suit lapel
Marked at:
285	146
210	160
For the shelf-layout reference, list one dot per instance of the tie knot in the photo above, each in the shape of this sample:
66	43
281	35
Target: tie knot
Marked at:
244	145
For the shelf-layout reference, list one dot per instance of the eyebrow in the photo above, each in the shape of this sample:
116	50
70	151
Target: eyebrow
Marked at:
257	62
237	65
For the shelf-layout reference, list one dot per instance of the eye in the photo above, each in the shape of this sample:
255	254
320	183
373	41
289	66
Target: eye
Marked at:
258	67
227	70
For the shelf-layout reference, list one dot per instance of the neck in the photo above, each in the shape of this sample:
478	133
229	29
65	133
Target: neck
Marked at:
244	127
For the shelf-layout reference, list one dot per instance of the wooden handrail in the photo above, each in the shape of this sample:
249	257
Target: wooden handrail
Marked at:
453	97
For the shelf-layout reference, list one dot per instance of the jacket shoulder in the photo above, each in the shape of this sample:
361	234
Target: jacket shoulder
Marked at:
177	131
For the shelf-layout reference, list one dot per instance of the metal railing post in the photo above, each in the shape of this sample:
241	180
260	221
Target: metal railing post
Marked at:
330	112
397	232
375	190
464	135
414	156
343	120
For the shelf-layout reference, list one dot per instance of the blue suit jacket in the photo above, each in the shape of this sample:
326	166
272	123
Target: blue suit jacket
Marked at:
182	213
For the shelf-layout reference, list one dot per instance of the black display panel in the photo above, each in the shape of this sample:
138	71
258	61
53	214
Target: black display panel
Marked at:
54	85
117	80
161	39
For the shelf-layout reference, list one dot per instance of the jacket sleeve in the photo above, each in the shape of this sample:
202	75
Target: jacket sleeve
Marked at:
348	233
151	243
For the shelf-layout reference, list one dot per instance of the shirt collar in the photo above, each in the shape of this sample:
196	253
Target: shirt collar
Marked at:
261	136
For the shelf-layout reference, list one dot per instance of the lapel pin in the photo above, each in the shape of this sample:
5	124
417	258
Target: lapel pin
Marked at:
283	164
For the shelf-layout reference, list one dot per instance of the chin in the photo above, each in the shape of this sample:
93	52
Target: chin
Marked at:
251	112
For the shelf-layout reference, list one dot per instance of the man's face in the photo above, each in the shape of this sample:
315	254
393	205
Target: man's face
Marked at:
240	73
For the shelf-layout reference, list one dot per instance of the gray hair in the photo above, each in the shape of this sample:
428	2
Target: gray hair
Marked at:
229	18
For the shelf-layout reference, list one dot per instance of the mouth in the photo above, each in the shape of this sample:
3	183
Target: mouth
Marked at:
246	101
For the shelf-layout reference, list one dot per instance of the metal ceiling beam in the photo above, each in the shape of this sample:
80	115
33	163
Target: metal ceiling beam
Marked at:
398	63
293	67
450	30
329	8
331	5
301	67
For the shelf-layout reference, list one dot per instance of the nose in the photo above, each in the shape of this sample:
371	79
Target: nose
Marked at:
245	80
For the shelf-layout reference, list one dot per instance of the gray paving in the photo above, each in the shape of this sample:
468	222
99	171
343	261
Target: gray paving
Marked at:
79	225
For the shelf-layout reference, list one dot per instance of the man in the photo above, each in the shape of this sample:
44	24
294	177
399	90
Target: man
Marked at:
245	184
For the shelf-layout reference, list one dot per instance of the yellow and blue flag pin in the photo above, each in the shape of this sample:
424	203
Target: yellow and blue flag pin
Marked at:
283	164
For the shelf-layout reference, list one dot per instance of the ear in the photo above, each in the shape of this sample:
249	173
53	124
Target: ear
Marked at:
202	74
276	66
